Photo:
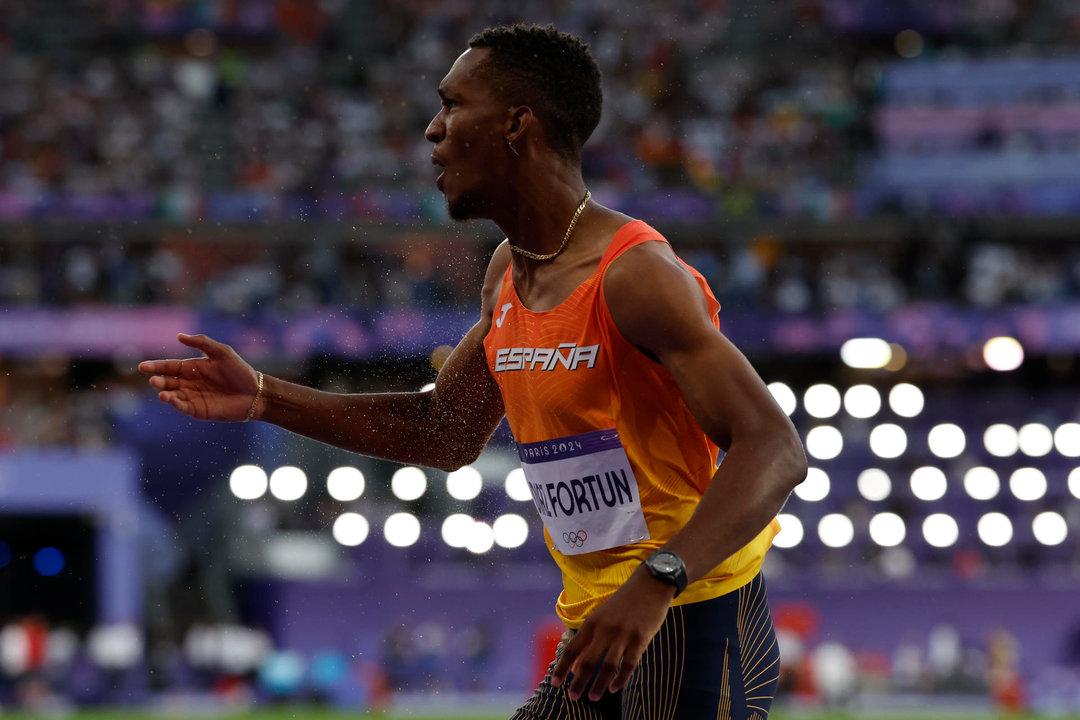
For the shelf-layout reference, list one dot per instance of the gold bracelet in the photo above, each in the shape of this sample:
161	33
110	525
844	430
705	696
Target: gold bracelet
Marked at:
255	400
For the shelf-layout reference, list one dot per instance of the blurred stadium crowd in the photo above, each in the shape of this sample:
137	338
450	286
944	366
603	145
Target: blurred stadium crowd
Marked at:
257	159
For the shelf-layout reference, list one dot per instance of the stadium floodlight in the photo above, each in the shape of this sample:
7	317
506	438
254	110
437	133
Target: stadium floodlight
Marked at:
248	482
1049	528
814	487
791	531
401	529
1028	483
408	483
288	483
351	529
1067	439
982	483
940	530
516	486
1001	440
1003	354
345	483
481	538
1074	483
783	396
866	353
874	484
946	440
821	400
824	442
887	529
862	401
888	440
906	400
464	483
1035	440
928	483
836	530
511	530
455	529
995	529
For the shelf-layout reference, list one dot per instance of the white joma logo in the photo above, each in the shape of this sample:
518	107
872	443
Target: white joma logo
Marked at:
569	355
505	309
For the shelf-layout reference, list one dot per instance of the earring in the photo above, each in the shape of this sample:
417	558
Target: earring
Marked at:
512	148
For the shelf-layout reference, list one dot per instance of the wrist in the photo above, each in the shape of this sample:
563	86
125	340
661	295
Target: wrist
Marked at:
667	568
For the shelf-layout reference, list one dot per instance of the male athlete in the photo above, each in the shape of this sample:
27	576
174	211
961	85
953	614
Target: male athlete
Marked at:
603	350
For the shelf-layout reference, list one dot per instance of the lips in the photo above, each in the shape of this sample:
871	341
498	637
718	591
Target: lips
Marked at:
438	162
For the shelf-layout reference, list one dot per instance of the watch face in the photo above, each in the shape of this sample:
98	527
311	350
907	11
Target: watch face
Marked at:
666	563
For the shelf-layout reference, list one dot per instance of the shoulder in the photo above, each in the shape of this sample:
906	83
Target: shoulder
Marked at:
493	278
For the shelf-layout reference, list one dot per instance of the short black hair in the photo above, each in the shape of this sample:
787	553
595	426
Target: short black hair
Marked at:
552	72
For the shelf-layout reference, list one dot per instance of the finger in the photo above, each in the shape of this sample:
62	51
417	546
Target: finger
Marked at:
176	400
208	345
569	654
609	666
631	658
583	671
160	367
164	382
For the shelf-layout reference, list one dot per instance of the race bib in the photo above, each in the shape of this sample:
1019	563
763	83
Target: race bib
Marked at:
585	491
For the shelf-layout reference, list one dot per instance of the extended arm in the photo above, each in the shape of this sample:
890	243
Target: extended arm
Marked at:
445	428
668	317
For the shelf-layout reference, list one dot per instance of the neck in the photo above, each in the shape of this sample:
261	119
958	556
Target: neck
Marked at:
539	208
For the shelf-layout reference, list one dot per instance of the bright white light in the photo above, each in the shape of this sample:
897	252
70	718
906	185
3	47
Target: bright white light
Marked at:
1001	440
288	483
511	531
1028	483
982	483
866	353
940	530
1035	439
815	487
874	484
516	487
821	400
345	484
824	442
408	483
1067	439
888	440
906	400
995	529
862	401
464	483
455	529
784	397
401	529
427	387
1074	483
351	529
887	529
481	538
946	440
1003	354
836	530
248	482
928	483
791	531
1049	528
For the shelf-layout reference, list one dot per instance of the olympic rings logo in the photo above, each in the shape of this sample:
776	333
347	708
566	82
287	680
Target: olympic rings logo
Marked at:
575	539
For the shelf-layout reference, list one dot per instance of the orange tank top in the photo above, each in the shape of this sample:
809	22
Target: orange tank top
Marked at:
574	390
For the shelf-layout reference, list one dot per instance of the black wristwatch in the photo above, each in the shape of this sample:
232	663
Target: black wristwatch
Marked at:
668	568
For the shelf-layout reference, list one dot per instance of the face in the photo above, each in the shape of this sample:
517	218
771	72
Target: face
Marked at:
469	139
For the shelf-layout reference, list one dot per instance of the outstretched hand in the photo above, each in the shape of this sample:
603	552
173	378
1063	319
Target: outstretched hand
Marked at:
217	386
613	638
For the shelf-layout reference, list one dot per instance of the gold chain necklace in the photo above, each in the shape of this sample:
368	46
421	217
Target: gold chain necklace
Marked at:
566	237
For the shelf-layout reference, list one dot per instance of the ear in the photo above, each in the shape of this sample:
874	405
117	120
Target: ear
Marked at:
518	120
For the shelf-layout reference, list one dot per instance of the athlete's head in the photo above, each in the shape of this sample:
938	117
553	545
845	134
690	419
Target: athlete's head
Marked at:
522	84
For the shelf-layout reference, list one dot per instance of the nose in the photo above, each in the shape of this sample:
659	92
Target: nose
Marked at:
435	129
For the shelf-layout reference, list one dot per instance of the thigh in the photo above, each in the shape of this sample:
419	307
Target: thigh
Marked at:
716	659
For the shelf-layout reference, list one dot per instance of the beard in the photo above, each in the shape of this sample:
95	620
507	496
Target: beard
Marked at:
469	205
